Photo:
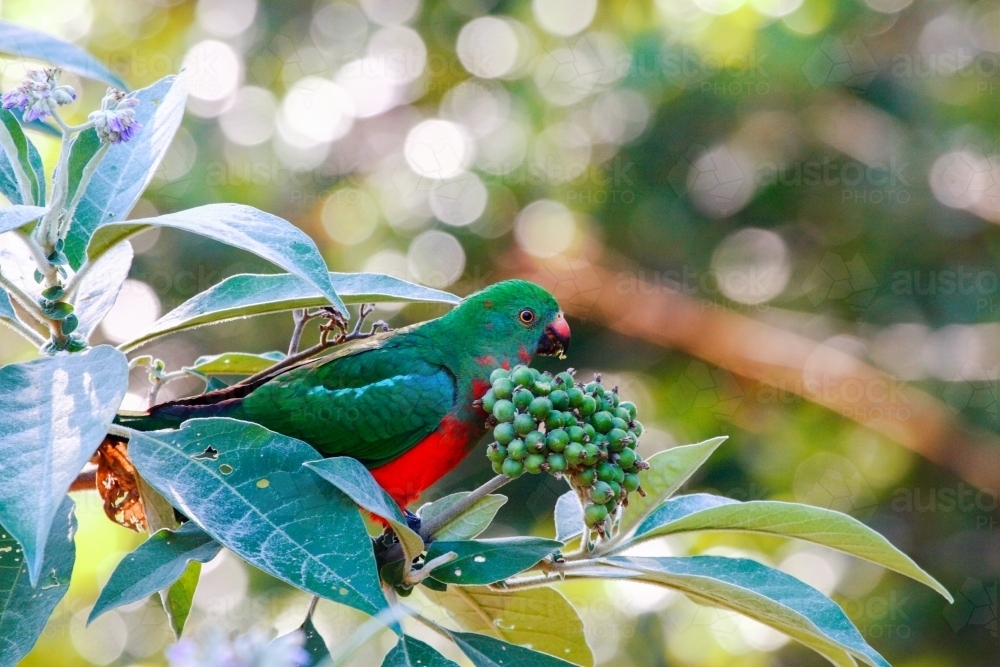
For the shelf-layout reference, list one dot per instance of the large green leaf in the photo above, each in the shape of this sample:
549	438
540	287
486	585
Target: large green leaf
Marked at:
99	288
314	644
82	153
22	178
668	470
249	294
568	516
235	363
410	652
488	561
155	565
12	217
352	477
54	413
828	528
247	488
263	234
764	594
469	523
538	617
36	45
486	651
128	167
24	609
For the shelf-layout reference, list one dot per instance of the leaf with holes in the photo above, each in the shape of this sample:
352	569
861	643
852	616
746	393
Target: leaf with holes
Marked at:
352	477
469	523
540	617
32	44
410	652
488	561
154	566
24	609
245	295
247	488
764	594
821	526
54	413
128	167
668	470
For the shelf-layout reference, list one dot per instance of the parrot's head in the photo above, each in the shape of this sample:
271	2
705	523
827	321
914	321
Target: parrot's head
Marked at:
516	317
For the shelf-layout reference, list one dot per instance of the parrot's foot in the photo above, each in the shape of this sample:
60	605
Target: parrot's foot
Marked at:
412	520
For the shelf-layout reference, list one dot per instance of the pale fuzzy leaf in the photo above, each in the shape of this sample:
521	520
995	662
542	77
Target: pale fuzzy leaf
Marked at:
540	617
30	44
470	523
568	517
245	295
668	470
12	217
99	289
54	414
812	524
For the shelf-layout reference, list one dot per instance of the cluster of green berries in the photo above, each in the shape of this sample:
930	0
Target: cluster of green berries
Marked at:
546	423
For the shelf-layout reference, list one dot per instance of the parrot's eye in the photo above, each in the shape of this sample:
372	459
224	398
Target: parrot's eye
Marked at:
527	316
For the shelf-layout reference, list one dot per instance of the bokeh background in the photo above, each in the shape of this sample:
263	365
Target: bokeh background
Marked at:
772	219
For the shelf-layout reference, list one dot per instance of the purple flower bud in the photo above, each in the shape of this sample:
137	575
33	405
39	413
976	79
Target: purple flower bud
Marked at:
38	94
115	121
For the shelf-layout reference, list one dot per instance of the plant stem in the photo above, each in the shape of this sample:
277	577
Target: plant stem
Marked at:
300	316
23	329
25	301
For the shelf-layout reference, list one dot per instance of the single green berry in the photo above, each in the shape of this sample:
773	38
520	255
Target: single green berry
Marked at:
524	424
616	489
574	453
504	433
594	515
591	454
611	506
554	420
512	468
523	376
497	467
560	399
631	483
617	422
535	442
588	406
539	408
590	431
637	428
630	407
605	471
626	458
622	414
576	433
585	477
617	440
496	452
575	396
533	463
503	388
556	440
522	399
489	401
557	463
606	403
541	387
504	411
619	474
613	396
564	379
499	373
517	450
600	492
595	388
602	421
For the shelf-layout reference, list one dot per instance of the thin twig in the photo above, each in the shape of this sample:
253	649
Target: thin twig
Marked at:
20	327
312	607
25	301
300	316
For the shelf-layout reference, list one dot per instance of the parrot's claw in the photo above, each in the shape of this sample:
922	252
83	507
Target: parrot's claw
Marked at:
412	520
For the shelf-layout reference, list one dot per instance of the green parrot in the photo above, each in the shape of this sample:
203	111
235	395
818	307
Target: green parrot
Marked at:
402	402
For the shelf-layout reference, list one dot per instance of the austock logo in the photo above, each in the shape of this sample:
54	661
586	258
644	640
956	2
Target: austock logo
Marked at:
975	606
573	281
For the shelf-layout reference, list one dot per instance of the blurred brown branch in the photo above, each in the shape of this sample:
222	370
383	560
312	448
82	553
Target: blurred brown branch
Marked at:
612	292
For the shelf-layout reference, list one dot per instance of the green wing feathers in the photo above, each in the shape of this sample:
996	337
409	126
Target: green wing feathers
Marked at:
372	406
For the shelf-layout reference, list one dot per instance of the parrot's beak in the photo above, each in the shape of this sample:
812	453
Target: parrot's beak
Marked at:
555	340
